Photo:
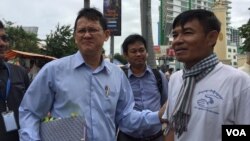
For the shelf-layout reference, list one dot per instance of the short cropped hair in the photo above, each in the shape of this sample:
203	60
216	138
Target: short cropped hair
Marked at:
91	14
207	19
132	39
1	24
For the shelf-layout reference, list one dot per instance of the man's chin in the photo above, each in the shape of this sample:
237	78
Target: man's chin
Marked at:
180	58
141	64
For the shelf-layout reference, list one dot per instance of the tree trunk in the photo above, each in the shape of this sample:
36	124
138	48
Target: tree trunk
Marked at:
146	28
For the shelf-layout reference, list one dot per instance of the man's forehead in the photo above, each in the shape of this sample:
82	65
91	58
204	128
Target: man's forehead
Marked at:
137	43
187	25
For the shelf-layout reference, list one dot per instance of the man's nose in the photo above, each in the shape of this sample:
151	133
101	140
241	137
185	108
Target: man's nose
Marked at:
87	34
139	52
179	37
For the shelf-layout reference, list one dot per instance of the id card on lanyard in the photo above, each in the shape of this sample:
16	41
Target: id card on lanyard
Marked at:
8	115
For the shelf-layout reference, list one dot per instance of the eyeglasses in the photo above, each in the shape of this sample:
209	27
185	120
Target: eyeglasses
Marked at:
89	30
4	38
134	51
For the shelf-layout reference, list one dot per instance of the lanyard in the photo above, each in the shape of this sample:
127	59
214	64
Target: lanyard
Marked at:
4	97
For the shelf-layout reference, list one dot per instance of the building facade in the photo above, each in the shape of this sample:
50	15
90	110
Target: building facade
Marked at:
169	9
233	43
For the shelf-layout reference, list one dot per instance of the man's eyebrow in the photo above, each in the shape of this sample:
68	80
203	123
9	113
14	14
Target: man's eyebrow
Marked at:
173	32
187	28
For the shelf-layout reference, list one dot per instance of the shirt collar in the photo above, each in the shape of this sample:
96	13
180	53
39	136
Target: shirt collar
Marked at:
79	61
146	70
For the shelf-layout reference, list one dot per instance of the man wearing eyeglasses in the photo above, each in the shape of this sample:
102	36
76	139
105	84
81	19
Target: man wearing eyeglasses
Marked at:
13	83
86	84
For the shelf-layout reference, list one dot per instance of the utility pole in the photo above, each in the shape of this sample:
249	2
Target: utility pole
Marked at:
146	28
112	40
86	3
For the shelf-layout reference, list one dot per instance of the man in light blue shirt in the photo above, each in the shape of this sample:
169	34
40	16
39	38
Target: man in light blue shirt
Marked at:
145	85
85	84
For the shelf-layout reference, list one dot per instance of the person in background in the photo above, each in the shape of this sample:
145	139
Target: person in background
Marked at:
143	81
14	81
34	69
206	94
86	84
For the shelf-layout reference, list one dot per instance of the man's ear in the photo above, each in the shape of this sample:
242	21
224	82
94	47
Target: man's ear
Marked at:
107	34
125	55
74	36
212	37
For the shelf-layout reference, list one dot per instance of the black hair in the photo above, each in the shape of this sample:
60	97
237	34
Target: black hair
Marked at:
132	39
91	14
1	24
207	19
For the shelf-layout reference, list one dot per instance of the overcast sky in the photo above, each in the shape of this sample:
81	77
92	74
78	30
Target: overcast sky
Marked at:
46	14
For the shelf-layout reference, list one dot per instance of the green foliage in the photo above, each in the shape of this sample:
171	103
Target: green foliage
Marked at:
120	58
49	118
60	43
245	33
21	40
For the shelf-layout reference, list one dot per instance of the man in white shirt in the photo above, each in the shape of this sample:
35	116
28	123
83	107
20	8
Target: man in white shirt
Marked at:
206	94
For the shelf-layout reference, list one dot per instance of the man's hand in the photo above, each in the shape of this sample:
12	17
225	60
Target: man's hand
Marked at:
169	136
161	112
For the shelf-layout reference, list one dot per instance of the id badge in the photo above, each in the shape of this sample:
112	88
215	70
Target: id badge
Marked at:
9	121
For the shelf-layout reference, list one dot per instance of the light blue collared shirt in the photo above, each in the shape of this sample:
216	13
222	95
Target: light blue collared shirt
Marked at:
68	85
147	96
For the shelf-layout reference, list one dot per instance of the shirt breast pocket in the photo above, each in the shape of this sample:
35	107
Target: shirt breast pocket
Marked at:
110	100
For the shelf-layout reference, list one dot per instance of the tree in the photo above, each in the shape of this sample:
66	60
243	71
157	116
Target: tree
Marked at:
146	27
22	40
244	32
60	43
